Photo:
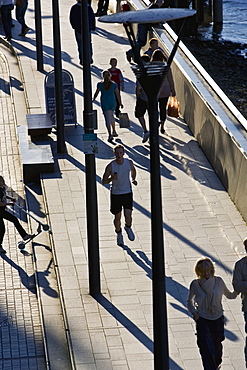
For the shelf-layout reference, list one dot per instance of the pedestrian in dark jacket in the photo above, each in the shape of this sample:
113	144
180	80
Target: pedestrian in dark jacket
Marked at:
75	21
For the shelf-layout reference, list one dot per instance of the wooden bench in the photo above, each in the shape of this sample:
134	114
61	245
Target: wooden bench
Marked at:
36	156
38	125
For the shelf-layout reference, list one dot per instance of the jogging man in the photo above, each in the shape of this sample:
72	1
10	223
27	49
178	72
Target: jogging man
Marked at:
118	173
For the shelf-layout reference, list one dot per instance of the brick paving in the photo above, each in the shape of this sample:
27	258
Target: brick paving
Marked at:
21	340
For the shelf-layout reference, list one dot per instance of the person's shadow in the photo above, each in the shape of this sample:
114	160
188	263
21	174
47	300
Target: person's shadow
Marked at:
30	281
172	287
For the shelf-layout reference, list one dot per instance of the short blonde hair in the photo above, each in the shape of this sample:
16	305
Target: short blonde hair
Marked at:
203	262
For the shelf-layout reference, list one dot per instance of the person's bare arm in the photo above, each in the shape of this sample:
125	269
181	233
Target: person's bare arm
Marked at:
138	91
96	94
116	91
133	173
107	177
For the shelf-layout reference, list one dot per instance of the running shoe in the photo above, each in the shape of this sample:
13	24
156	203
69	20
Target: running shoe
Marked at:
120	240
130	233
145	136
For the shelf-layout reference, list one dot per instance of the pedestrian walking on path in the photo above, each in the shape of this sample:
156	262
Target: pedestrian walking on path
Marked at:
8	216
153	45
141	108
205	304
239	283
167	88
109	94
6	7
20	11
118	173
142	31
75	21
116	76
142	104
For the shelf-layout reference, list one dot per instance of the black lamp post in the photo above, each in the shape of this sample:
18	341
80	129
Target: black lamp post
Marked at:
91	190
151	76
61	147
38	29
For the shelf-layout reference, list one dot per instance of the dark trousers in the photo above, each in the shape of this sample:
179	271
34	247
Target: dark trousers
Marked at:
210	334
78	37
6	18
4	215
162	107
20	11
103	6
245	348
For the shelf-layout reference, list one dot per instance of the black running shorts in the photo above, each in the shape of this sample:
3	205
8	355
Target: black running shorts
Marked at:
118	202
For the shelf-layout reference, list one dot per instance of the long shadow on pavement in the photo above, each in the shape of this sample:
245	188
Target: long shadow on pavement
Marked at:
131	153
29	281
183	238
173	288
129	325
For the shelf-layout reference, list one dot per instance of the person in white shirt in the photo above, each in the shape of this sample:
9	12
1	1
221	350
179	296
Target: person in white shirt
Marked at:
205	305
118	173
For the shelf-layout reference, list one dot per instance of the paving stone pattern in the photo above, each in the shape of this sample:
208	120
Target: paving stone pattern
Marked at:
21	341
114	330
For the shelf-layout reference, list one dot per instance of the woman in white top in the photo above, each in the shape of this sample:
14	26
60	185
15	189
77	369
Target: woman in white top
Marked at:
205	305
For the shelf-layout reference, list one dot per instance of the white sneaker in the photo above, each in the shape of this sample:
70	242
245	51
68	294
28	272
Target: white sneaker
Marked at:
120	240
130	233
145	136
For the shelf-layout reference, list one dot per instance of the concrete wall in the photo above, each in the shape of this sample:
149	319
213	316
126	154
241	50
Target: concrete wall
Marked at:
226	156
222	148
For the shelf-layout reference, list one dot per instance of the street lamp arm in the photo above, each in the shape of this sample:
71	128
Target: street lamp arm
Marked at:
148	15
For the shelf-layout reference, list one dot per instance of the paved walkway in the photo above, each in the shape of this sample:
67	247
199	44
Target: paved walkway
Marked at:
21	339
115	332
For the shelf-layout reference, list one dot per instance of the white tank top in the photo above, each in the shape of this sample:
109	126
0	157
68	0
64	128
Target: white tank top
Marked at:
122	185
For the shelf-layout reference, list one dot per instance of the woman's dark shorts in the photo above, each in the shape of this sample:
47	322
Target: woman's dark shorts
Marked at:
118	202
